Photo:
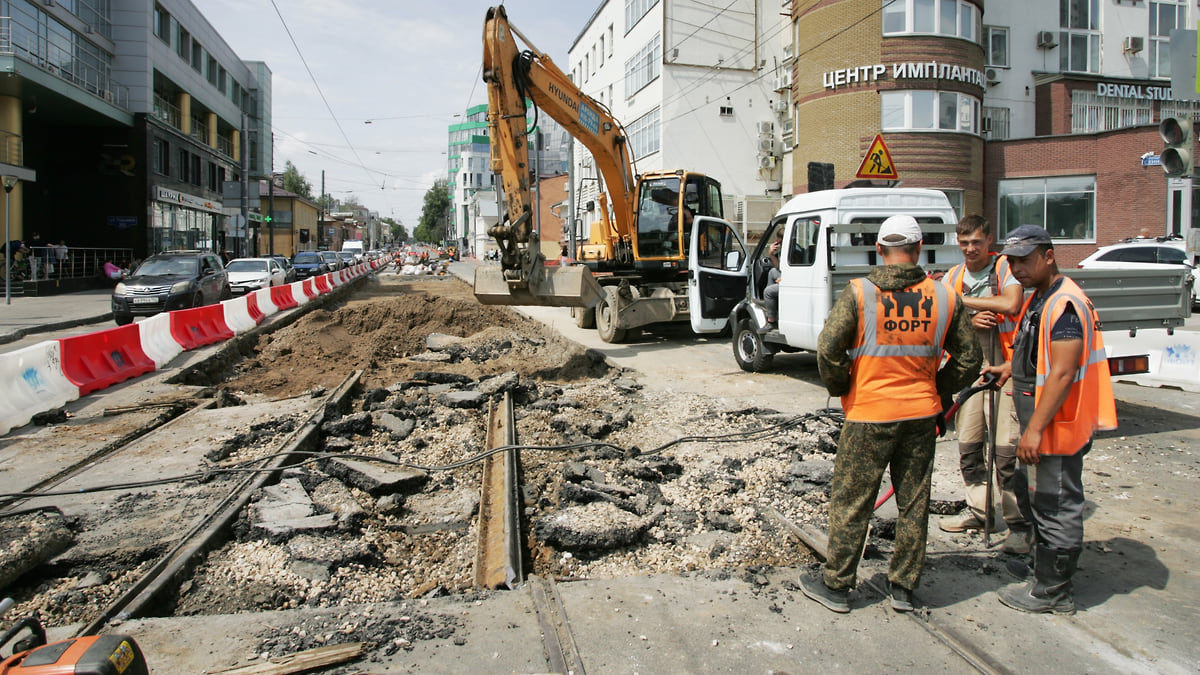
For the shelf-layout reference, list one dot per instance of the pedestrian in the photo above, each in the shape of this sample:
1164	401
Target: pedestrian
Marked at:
1063	394
993	297
61	256
224	256
771	291
879	350
563	259
112	272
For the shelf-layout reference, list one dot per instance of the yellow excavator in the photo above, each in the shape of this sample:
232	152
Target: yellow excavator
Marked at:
634	264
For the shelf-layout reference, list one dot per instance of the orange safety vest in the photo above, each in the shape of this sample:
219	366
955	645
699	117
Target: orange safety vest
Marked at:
897	350
1001	273
1089	405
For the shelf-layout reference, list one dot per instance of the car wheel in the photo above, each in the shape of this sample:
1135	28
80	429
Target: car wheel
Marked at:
749	350
198	299
123	319
606	318
584	317
226	293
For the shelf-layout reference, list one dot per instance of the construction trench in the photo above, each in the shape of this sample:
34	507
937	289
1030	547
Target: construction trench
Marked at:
599	497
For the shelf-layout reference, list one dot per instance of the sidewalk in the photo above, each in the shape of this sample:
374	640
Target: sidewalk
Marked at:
40	314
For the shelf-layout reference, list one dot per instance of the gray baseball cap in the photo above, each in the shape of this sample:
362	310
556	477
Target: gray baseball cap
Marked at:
1023	240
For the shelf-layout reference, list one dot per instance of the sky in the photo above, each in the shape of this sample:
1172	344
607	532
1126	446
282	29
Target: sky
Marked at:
405	66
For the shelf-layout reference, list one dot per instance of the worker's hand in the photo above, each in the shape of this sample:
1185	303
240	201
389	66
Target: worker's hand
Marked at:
984	320
940	421
1003	372
1027	447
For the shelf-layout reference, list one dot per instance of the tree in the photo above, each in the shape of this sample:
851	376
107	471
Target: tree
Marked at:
399	232
294	181
434	214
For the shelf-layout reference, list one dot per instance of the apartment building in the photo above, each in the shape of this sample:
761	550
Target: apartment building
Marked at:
129	116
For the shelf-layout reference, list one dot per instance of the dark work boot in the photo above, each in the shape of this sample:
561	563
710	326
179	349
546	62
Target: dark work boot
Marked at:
1050	591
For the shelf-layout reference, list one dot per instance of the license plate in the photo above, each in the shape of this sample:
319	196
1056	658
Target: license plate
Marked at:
145	301
238	290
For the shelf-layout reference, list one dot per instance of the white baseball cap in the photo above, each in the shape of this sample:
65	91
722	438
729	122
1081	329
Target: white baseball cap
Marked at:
899	230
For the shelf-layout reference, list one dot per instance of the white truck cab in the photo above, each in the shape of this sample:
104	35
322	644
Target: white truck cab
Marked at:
827	238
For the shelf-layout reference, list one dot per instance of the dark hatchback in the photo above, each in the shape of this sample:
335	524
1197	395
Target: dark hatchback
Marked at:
309	264
168	281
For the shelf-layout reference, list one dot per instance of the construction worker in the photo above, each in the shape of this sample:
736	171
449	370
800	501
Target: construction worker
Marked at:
1063	394
879	350
993	297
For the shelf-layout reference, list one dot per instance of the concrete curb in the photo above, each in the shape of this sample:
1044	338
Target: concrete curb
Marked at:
22	333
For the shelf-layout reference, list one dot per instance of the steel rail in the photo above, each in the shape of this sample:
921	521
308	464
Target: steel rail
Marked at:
499	558
176	563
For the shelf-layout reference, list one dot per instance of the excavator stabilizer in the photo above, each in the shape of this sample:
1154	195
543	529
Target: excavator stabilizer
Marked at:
572	286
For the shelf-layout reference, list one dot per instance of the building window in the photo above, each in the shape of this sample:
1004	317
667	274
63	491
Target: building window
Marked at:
995	46
956	18
643	68
645	134
1065	206
600	54
197	56
195	175
914	110
162	157
1165	16
183	46
996	125
185	165
610	40
1079	39
162	24
1091	112
635	10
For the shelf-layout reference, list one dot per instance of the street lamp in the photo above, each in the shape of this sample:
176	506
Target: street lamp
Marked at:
10	182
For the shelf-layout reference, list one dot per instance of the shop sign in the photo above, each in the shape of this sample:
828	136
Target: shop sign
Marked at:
1134	91
162	194
924	70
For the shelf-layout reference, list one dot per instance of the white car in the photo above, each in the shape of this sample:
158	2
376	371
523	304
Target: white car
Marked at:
251	274
1142	253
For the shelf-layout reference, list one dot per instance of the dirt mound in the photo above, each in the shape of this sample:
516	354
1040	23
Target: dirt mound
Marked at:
381	334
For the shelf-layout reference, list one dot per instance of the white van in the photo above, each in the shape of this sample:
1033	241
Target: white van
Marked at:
354	246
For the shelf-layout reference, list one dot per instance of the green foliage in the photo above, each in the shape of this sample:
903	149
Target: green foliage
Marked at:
434	214
399	232
294	181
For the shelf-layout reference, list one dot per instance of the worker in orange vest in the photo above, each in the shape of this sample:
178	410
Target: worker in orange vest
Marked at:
1062	394
879	350
993	298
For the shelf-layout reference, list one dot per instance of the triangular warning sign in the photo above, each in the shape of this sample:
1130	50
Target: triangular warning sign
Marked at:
878	162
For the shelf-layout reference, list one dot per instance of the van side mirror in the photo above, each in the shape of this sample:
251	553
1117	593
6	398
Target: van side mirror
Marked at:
733	260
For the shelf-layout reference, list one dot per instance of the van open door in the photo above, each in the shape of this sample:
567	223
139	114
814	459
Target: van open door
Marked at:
716	273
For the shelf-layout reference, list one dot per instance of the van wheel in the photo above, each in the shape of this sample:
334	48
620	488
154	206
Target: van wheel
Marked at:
751	352
584	318
606	318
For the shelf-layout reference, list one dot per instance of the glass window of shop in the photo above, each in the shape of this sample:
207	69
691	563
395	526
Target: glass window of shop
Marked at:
956	18
1064	205
916	110
174	227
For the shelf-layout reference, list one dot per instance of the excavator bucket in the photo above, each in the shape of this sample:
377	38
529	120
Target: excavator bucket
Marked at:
572	286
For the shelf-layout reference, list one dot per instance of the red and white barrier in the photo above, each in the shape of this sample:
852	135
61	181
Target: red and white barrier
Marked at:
282	297
157	341
298	294
237	314
263	297
199	326
103	358
32	381
322	283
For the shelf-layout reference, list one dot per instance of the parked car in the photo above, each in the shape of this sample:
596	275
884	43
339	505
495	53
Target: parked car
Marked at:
251	274
349	258
309	264
286	264
332	259
170	280
1142	253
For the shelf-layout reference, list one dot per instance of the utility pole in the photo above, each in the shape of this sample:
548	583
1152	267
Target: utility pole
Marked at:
245	143
324	204
271	211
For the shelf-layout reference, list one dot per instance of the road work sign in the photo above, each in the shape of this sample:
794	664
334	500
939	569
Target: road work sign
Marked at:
878	162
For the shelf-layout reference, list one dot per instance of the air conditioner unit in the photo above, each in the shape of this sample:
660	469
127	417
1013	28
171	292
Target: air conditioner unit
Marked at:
767	146
1045	40
787	78
1133	44
780	106
766	162
993	76
765	128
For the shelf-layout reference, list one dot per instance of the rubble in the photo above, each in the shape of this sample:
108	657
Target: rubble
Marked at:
29	540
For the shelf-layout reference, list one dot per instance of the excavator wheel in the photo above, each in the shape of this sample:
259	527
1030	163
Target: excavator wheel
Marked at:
584	318
749	350
606	318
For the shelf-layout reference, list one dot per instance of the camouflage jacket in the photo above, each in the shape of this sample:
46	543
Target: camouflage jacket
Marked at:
841	326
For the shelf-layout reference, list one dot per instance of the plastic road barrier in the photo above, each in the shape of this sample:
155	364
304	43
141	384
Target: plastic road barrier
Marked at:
157	341
237	314
199	326
32	381
101	359
282	297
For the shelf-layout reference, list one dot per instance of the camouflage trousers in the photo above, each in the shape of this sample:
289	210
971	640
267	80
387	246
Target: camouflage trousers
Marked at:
864	451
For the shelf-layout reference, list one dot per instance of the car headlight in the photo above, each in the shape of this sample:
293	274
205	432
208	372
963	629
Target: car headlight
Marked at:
119	289
181	287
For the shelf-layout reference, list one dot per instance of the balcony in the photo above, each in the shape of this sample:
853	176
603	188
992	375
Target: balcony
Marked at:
168	112
27	45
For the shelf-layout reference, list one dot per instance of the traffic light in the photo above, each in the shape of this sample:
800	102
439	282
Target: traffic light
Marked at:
1177	157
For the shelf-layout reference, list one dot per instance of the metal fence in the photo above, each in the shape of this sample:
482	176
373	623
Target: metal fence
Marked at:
51	262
